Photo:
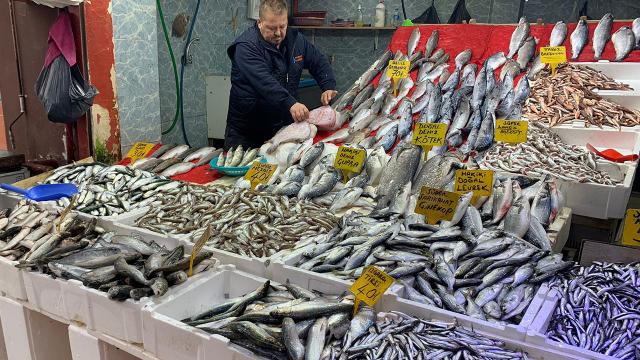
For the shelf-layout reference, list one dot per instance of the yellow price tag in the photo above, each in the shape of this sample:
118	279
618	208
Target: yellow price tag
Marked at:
631	233
370	286
349	160
139	150
429	135
436	204
197	247
260	173
512	131
480	182
554	56
398	69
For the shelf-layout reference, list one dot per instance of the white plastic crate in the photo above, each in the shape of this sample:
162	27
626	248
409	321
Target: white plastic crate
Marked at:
533	351
559	230
624	72
167	337
396	302
70	300
11	282
536	334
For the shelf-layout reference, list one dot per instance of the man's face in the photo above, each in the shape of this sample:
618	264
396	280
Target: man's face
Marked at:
273	27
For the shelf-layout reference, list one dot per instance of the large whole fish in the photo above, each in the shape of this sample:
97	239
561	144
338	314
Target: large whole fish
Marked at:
518	37
579	39
558	34
601	35
623	41
296	132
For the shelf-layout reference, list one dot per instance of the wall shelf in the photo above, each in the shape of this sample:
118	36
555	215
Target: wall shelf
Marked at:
376	31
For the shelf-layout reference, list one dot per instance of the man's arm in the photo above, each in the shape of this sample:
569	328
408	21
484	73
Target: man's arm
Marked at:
319	67
252	64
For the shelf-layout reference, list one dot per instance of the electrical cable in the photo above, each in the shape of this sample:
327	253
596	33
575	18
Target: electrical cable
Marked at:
404	11
175	68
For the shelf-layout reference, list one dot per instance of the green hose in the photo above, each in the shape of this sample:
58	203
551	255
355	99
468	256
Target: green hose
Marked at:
175	69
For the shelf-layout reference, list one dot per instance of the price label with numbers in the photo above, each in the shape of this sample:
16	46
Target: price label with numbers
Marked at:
349	160
197	247
554	56
398	69
260	173
370	286
139	150
631	233
436	204
480	182
511	131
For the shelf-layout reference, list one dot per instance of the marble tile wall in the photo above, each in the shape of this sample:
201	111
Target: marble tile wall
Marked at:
136	69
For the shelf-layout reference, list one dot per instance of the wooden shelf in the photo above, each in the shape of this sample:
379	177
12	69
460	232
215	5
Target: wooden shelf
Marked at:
343	28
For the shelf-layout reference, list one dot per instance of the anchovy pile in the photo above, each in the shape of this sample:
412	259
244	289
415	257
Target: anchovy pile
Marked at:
243	221
543	154
280	322
24	229
171	159
563	98
599	309
111	190
401	336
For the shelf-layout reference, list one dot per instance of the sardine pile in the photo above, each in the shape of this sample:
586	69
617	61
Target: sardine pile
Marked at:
599	309
237	157
563	98
401	336
545	153
171	159
72	248
243	221
110	190
280	322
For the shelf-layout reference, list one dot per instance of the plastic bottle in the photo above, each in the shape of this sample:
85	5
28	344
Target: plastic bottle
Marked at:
380	14
396	17
360	17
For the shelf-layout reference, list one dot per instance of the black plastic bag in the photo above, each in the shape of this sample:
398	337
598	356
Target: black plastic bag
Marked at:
66	96
429	16
460	13
583	11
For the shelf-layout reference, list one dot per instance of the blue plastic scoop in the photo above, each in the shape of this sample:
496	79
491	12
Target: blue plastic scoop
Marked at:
44	192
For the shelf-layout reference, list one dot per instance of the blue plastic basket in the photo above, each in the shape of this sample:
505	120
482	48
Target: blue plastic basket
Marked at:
231	170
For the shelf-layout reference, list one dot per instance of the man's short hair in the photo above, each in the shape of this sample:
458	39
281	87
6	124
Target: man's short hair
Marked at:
275	6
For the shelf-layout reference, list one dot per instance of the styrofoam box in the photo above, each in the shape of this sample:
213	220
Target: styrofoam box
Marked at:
533	351
559	230
624	72
536	334
397	302
167	337
69	299
11	282
595	200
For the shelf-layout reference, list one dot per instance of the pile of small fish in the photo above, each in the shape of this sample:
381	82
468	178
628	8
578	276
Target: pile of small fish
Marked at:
563	98
543	154
238	157
111	190
402	336
494	272
243	221
280	322
598	309
72	248
584	77
171	160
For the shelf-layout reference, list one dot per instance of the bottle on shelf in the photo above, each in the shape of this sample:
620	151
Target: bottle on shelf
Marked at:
360	17
380	14
396	18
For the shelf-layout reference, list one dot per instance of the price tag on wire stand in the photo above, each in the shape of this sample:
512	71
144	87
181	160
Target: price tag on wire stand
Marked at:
349	161
429	135
139	150
370	286
511	131
197	247
260	173
436	204
554	56
398	69
631	233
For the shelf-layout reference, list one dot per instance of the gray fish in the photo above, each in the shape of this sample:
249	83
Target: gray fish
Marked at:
432	43
312	154
256	334
635	27
326	183
399	170
495	61
413	41
511	67
480	89
526	52
361	322
558	34
518	37
518	218
623	41
131	272
579	39
601	35
291	340
463	58
537	235
362	96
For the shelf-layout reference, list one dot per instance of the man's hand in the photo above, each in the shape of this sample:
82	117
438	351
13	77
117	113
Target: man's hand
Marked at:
299	112
327	96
